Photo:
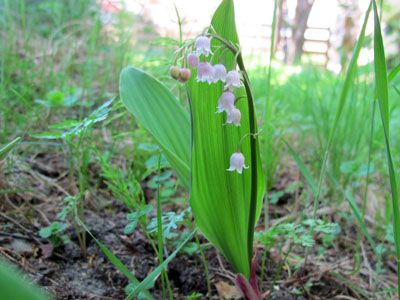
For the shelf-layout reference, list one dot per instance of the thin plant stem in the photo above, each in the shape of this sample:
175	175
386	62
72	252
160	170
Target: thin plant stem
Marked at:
263	263
364	203
206	271
164	276
253	151
281	263
180	44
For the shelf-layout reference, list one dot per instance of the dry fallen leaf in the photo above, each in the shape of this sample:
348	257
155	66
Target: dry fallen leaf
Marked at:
227	291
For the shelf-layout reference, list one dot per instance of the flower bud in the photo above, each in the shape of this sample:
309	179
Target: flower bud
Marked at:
226	102
237	163
193	60
220	72
234	116
174	71
233	80
184	74
203	45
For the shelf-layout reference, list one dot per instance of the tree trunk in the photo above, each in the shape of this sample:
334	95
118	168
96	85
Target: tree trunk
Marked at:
303	10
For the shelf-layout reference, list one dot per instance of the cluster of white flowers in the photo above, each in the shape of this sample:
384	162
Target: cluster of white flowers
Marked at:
212	74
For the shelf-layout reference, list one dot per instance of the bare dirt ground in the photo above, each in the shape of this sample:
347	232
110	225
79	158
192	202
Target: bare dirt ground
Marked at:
35	188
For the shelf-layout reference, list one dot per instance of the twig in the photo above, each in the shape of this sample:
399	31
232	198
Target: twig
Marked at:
15	222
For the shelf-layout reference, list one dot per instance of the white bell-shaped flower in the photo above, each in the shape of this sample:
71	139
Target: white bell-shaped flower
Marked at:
205	72
237	163
203	45
220	72
193	60
233	117
226	102
232	80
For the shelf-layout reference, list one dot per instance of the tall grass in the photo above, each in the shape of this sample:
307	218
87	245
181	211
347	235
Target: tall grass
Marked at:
55	50
381	85
270	156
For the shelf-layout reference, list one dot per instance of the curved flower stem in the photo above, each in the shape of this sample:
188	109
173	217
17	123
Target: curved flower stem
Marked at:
253	153
245	136
226	43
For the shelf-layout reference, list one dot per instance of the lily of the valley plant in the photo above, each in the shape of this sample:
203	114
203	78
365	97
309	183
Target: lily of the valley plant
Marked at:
214	146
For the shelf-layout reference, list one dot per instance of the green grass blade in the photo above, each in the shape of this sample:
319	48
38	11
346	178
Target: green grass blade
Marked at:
7	148
117	263
392	75
160	238
303	169
349	76
157	271
357	213
221	200
349	197
382	93
12	286
160	113
342	100
268	152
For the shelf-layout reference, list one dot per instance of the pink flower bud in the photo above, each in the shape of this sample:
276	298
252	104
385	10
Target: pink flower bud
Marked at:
193	60
220	73
203	45
234	116
205	72
237	163
233	80
184	74
174	72
226	102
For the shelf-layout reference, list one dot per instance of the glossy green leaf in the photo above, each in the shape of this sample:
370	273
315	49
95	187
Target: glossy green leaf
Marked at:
220	199
160	113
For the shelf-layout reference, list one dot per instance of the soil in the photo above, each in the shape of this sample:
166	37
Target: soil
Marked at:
36	189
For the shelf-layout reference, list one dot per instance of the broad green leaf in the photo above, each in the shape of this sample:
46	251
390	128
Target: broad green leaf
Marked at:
12	286
220	199
7	148
160	113
381	82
